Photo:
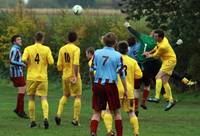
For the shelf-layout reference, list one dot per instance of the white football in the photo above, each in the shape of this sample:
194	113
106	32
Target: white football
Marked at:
77	9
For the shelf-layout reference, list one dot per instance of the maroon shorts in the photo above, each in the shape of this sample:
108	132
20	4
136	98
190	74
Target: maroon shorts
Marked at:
18	81
103	94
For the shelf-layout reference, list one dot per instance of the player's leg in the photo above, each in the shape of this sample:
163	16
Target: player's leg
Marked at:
20	83
158	86
76	91
107	119
114	105
128	107
31	90
42	91
99	101
134	123
152	68
183	79
77	110
168	91
45	109
94	122
20	102
118	122
31	109
136	95
63	100
145	96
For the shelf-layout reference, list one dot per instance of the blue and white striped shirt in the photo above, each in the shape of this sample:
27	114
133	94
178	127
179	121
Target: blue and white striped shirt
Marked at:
107	63
16	65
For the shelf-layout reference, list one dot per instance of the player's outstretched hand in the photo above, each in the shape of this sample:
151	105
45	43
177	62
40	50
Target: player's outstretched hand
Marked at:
146	54
126	24
179	42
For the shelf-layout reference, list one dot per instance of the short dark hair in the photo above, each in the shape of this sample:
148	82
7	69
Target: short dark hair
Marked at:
160	33
14	37
39	36
72	36
90	50
122	47
110	39
131	41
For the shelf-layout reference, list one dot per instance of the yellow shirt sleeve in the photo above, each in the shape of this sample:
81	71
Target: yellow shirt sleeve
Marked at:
159	51
76	57
60	60
25	55
50	57
138	71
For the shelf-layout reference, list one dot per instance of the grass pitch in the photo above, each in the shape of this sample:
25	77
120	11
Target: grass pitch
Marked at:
182	120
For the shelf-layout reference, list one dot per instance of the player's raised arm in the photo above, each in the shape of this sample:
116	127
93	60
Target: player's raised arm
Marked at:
131	30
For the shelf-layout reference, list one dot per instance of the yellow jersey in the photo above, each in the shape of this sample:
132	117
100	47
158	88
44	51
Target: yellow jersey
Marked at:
133	72
69	55
37	57
164	51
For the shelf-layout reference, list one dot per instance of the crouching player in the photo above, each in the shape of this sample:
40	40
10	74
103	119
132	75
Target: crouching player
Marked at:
133	75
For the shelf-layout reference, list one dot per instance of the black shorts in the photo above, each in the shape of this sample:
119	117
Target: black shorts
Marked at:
151	68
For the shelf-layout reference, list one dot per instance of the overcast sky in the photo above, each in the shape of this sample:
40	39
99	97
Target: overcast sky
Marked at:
25	1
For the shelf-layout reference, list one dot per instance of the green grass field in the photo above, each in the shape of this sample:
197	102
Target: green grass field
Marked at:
182	120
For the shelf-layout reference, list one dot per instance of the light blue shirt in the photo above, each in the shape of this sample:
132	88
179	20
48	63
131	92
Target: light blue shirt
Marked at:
133	51
107	63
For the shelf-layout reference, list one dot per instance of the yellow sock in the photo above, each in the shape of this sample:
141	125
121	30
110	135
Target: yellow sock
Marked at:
166	97
107	118
62	102
134	124
185	80
31	108
45	108
77	108
158	88
168	91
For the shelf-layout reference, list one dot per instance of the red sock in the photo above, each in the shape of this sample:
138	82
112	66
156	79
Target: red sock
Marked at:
136	104
93	126
20	102
145	95
118	127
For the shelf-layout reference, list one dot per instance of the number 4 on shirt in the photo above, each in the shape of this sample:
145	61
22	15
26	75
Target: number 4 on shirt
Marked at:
37	58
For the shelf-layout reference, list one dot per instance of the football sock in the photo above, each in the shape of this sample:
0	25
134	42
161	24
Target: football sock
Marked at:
20	102
119	127
45	108
77	108
62	102
168	91
134	124
166	97
31	108
107	118
158	88
145	96
136	104
93	126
